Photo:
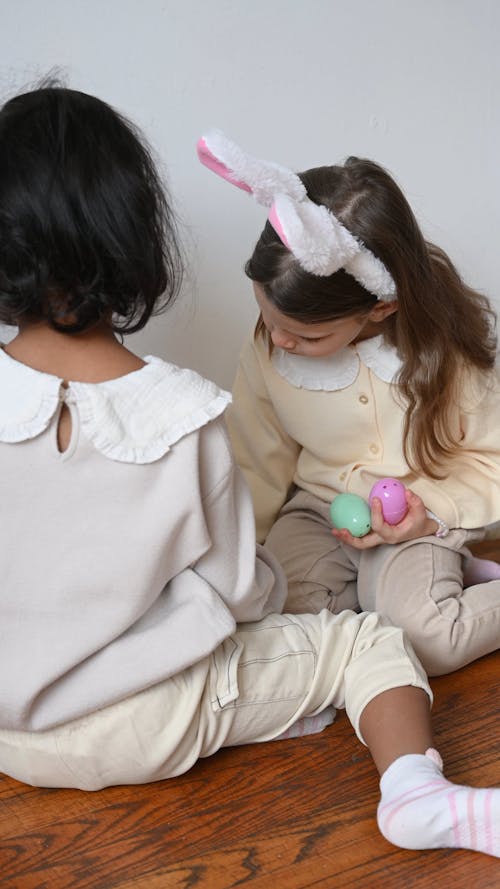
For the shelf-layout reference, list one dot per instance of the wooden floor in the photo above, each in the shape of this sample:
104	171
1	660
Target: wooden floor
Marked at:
293	814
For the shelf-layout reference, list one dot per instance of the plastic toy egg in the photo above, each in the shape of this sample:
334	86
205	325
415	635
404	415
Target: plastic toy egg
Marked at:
391	494
351	512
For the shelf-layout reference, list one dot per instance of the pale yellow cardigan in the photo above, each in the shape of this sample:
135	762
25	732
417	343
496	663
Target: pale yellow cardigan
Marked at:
328	442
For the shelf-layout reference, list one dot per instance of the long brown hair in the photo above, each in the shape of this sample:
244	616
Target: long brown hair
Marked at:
441	328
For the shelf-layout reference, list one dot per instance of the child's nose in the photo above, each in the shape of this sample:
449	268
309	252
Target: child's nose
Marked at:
282	340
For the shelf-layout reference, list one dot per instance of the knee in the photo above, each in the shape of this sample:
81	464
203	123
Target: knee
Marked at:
438	640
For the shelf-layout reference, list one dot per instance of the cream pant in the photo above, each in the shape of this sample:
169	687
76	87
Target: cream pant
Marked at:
252	688
418	585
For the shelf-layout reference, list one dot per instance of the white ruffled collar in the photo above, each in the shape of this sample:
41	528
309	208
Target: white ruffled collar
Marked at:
135	418
340	370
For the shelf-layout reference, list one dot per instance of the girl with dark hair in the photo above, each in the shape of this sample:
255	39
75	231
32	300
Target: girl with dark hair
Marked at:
371	359
140	629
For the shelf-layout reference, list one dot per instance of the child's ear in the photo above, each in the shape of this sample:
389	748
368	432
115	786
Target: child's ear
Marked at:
381	310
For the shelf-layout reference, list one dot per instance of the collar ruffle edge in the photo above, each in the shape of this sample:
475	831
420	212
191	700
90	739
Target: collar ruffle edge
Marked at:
132	419
340	370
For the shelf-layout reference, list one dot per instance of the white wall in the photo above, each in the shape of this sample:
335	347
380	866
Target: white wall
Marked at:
409	83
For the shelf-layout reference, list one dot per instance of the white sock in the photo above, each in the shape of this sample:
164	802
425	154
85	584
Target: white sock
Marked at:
309	725
420	809
477	570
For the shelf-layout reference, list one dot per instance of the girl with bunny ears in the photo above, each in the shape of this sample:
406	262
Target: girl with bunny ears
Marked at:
371	358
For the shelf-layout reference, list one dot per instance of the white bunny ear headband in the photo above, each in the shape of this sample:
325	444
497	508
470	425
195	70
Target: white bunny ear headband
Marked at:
318	240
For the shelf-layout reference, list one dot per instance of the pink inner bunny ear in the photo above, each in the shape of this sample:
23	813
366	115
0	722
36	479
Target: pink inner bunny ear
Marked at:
209	160
276	223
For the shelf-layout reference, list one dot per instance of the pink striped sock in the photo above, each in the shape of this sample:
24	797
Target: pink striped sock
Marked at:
420	809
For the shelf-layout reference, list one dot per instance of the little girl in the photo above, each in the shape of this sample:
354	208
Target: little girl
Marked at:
371	358
139	628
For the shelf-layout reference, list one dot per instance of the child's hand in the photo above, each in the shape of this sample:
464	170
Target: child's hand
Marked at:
415	524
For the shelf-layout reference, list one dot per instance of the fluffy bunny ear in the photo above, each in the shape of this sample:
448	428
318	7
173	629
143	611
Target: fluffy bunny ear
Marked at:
314	235
310	231
372	274
322	245
263	179
208	158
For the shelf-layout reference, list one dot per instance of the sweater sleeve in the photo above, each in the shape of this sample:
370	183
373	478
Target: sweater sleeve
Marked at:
248	579
263	450
472	488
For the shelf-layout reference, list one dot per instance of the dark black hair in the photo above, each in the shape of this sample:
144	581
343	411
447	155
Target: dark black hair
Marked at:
86	229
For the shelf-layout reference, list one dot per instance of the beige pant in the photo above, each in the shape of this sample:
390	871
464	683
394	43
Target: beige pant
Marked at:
255	685
418	585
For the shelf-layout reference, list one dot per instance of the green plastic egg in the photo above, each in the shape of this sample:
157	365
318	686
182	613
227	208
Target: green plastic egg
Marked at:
351	512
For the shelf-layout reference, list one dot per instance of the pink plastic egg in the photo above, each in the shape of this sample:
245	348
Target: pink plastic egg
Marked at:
391	494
